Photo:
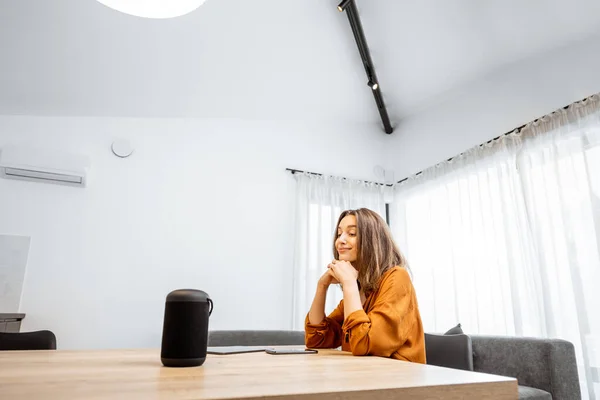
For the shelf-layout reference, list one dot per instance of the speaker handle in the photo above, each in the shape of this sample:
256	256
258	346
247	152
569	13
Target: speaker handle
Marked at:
210	307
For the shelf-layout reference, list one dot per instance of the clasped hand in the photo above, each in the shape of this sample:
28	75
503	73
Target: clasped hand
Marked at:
339	272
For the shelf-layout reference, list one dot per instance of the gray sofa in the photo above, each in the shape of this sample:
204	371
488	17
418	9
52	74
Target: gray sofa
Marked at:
545	368
255	338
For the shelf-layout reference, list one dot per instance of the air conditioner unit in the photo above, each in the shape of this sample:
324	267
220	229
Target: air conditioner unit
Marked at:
43	165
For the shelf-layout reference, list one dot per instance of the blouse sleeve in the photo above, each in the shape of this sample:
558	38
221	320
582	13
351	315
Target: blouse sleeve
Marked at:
328	333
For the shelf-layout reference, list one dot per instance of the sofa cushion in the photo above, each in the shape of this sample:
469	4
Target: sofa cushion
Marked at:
457	330
450	351
529	393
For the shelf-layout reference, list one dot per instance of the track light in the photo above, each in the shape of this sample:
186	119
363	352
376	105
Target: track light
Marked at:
342	6
359	36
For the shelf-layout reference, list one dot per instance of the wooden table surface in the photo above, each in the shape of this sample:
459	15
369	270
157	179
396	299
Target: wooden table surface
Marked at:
330	374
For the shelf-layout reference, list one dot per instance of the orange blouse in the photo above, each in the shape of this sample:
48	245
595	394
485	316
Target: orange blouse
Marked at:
389	325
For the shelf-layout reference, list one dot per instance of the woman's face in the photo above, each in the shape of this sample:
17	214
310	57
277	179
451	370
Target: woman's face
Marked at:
346	242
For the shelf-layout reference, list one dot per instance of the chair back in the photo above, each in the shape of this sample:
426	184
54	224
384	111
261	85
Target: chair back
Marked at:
36	340
255	338
450	351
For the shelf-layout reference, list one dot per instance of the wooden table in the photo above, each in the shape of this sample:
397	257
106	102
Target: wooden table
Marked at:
330	374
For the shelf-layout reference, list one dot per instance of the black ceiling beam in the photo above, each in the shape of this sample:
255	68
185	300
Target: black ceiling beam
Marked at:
352	12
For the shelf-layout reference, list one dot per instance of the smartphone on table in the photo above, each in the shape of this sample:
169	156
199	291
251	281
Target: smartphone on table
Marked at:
290	351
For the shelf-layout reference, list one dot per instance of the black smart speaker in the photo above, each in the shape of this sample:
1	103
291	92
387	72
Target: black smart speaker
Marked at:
185	328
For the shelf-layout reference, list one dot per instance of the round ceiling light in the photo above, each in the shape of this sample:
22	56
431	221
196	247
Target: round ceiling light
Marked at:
154	8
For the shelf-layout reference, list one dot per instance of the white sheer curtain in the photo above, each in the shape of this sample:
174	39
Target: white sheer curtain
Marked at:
319	202
505	238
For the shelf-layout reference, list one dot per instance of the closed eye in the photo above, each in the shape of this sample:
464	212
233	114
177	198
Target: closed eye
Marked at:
350	234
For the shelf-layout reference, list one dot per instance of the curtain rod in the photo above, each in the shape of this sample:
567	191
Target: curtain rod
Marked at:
517	130
298	171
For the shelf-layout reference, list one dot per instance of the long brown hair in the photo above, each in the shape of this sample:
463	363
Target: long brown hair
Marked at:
377	251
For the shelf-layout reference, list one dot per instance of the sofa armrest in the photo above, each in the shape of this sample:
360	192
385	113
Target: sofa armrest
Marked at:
546	364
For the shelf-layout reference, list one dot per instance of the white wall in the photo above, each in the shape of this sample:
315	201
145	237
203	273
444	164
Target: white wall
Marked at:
201	203
491	106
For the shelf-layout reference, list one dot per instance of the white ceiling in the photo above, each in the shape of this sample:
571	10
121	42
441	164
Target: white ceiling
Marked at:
266	59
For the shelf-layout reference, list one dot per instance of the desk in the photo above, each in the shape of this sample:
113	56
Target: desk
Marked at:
330	374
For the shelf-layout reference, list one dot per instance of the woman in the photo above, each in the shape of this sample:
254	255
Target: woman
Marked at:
379	314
